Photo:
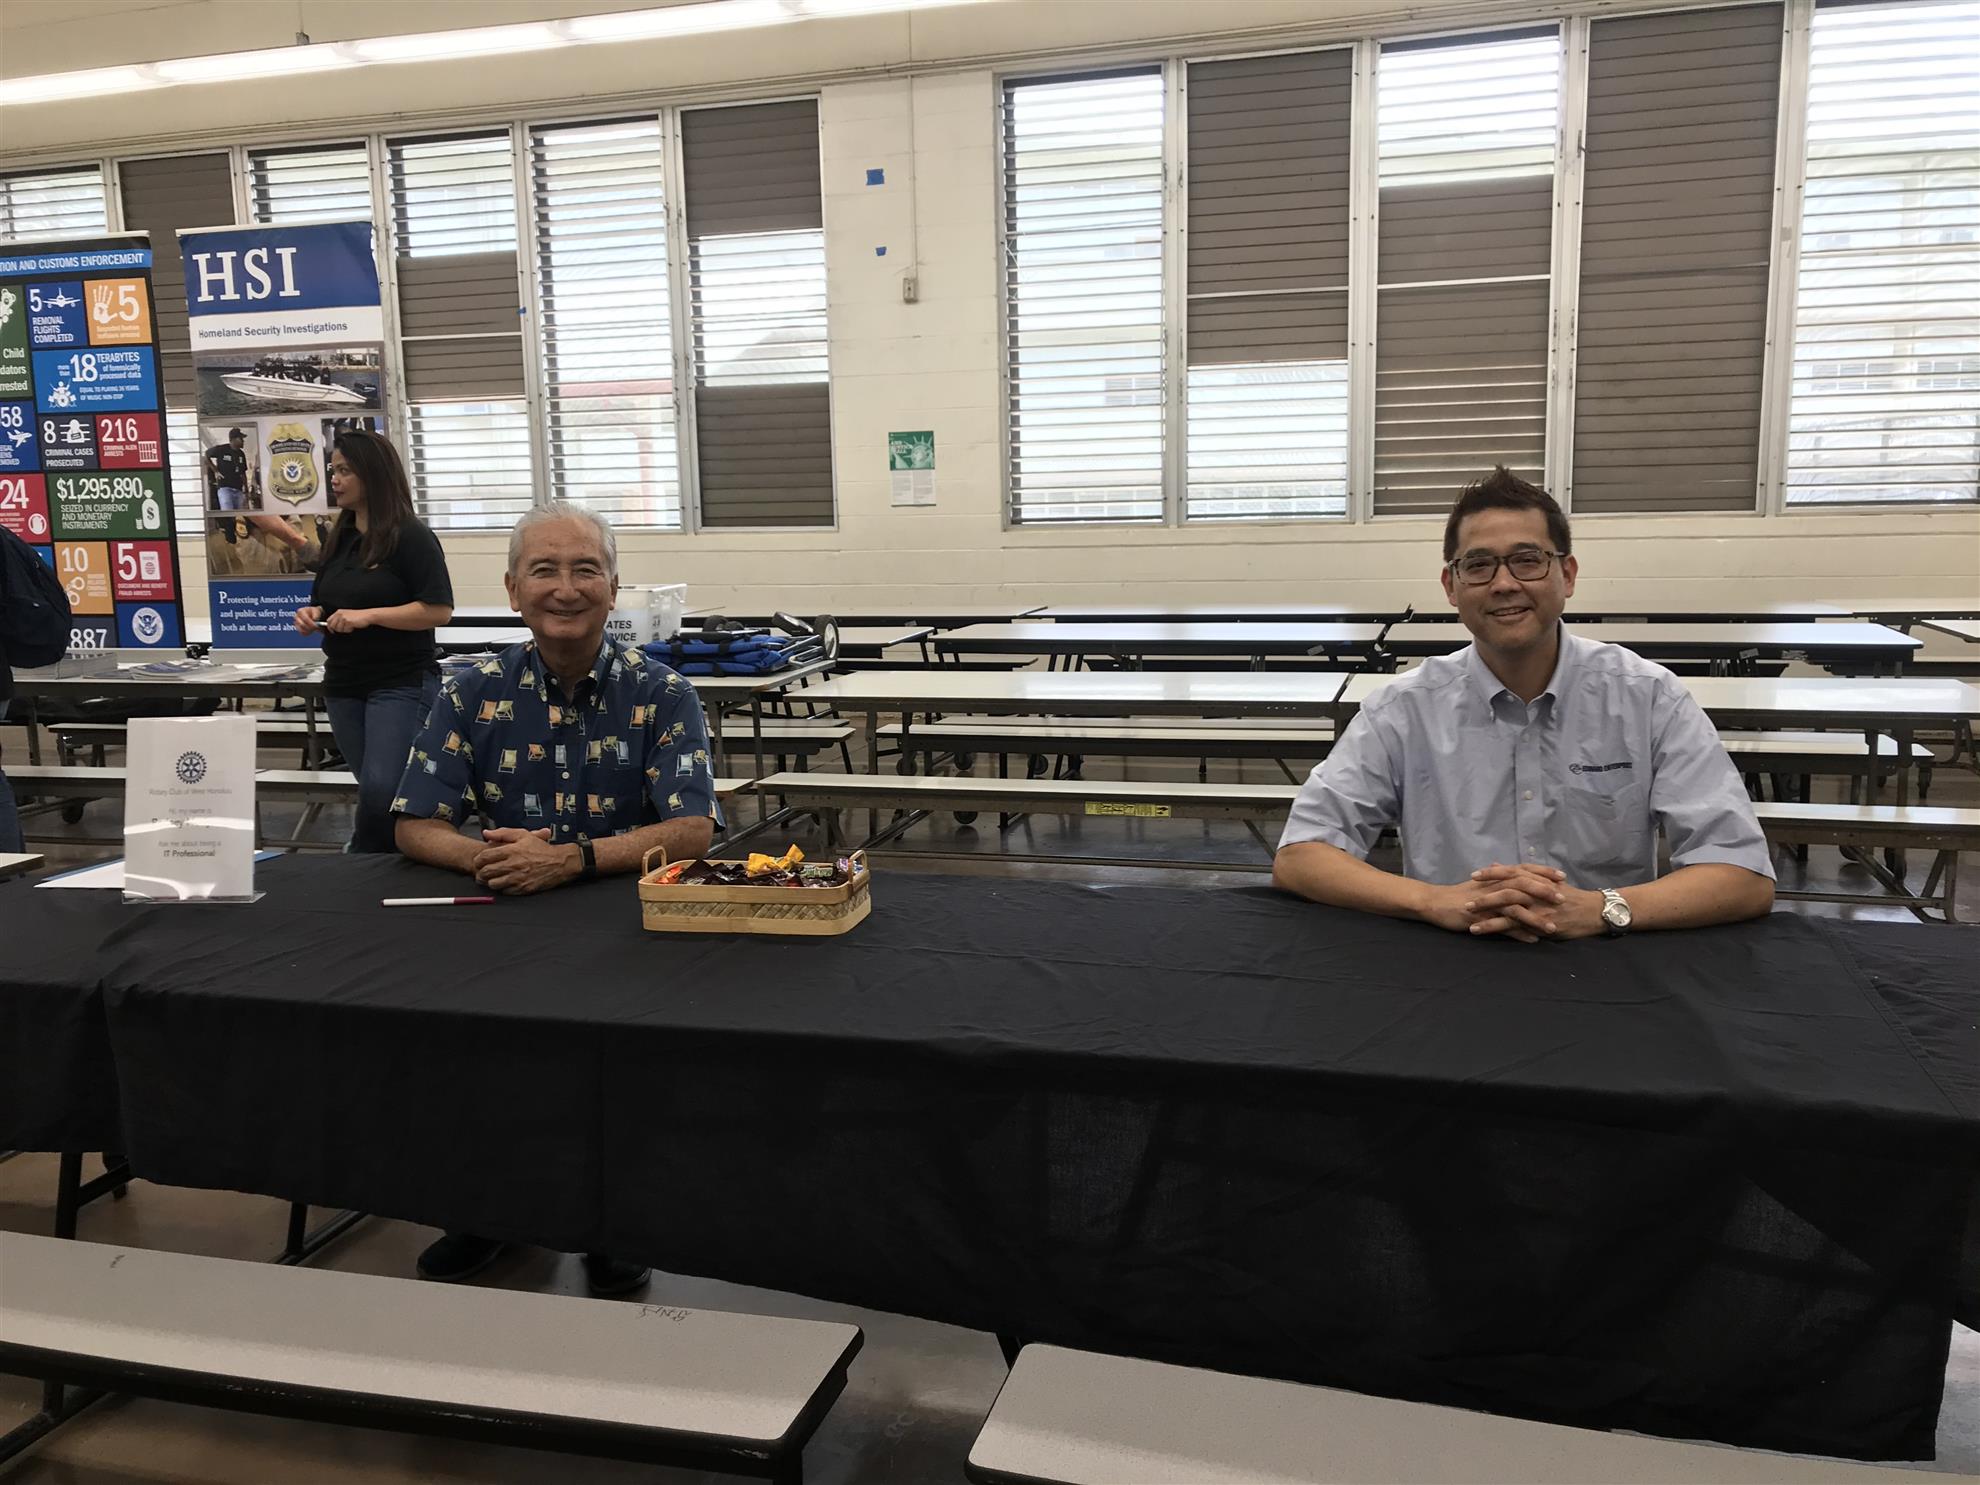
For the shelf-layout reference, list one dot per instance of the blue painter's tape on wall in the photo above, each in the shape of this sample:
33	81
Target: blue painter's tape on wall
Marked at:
876	177
879	252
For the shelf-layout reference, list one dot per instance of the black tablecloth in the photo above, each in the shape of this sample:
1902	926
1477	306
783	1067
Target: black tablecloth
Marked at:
1710	1184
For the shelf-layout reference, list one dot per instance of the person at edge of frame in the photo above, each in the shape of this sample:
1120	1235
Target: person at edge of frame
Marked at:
1528	773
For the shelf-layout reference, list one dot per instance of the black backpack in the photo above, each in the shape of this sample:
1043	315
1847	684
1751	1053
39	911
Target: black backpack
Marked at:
34	610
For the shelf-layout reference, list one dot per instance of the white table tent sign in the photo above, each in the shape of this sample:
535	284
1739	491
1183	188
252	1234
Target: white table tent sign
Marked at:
189	809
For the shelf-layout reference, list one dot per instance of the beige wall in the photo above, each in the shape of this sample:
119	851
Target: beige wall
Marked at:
933	364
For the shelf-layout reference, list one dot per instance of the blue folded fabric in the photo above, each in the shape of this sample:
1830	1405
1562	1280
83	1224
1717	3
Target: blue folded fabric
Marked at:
756	655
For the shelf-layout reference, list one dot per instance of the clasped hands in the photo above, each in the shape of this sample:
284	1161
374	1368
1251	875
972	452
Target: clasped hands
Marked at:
1524	902
520	862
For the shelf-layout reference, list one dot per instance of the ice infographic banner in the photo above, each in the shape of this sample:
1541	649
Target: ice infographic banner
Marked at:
83	469
288	348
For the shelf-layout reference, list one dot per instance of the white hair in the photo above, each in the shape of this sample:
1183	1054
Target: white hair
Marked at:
564	510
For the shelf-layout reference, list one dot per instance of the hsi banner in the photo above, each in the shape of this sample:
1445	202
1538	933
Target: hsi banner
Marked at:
84	478
288	349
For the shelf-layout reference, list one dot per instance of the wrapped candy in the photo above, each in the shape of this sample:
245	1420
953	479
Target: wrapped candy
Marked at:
760	870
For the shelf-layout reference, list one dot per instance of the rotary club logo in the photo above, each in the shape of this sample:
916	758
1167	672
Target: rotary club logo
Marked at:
190	768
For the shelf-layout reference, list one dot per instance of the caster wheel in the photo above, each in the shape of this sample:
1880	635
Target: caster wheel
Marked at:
965	817
1036	766
904	765
72	813
965	762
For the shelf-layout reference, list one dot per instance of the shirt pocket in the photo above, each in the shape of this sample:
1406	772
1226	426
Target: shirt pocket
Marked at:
1604	831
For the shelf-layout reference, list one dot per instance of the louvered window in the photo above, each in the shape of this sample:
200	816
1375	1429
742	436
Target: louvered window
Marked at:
1886	393
1083	221
1676	231
52	203
608	368
315	183
1269	159
453	220
160	197
1467	135
183	456
756	271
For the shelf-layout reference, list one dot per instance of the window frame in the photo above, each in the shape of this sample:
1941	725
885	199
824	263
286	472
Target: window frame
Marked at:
377	144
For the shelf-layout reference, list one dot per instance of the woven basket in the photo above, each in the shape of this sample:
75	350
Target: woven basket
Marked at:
812	911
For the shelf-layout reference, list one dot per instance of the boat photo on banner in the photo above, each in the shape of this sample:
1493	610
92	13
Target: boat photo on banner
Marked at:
287	342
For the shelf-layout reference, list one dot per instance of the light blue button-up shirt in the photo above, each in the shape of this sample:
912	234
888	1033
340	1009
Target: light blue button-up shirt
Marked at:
1580	778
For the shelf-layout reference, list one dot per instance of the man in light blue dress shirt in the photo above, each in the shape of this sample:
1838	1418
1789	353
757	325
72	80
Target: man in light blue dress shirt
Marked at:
1529	774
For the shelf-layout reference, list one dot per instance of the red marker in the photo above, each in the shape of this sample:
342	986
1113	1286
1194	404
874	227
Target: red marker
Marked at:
437	901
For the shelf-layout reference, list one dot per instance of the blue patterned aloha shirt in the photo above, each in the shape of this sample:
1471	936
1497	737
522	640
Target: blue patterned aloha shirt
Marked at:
630	748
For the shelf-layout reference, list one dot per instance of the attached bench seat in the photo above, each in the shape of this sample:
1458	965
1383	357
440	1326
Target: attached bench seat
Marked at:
1076	1418
307	785
71	737
1161	737
82	781
698	1388
1156	799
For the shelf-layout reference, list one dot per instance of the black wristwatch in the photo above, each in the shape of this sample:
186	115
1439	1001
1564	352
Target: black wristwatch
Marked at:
590	867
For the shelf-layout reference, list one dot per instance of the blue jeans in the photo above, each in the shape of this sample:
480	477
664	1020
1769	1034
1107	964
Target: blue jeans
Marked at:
10	815
375	734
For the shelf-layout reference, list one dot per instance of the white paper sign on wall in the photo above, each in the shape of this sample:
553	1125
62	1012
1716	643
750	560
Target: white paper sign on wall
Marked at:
189	810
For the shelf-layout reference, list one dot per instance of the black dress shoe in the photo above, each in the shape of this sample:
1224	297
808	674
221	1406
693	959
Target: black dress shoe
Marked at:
606	1275
458	1256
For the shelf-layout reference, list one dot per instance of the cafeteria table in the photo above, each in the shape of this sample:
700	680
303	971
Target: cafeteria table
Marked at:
1710	1184
1730	647
277	675
1072	645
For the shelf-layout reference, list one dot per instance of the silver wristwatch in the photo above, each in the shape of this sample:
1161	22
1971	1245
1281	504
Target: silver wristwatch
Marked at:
1615	912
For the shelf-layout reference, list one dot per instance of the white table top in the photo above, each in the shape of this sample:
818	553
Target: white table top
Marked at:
1911	609
470	636
13	863
1966	629
1154	639
1216	613
872	638
1088	693
1835	700
271	673
1681	639
939	615
1664	611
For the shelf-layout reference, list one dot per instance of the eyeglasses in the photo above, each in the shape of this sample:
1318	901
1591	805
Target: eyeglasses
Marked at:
1528	564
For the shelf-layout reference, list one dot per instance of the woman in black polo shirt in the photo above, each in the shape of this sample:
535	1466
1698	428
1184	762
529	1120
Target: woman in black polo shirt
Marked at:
381	589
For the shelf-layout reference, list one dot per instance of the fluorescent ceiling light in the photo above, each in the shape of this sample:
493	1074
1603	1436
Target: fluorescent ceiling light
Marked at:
677	20
237	67
442	46
439	46
51	86
828	9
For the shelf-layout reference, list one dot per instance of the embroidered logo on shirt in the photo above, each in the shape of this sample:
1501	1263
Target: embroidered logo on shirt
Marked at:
1599	767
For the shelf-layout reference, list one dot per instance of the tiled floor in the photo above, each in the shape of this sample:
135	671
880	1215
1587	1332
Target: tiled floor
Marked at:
918	1391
